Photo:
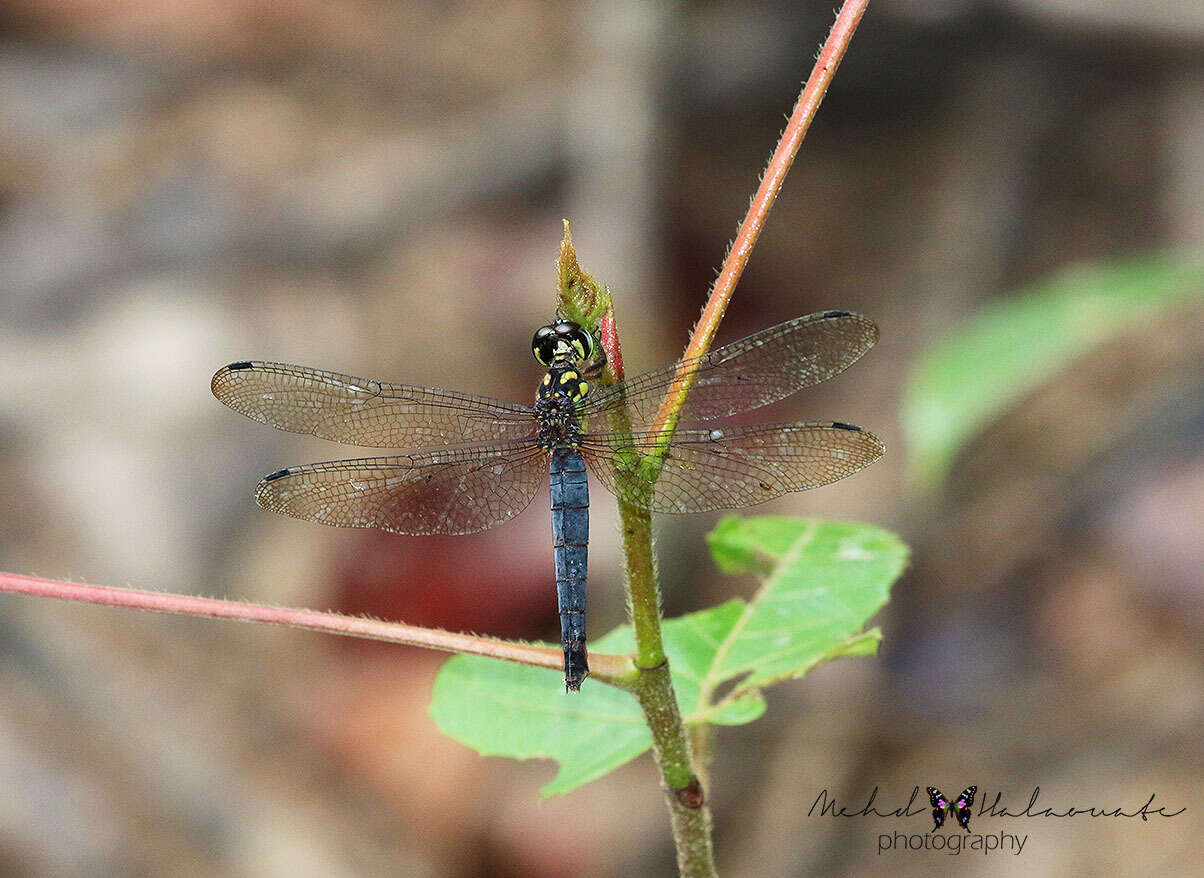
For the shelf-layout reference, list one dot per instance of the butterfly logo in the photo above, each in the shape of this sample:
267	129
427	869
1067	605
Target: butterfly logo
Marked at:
959	808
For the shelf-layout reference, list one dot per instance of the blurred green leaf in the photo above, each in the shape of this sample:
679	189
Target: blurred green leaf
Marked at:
821	582
1015	345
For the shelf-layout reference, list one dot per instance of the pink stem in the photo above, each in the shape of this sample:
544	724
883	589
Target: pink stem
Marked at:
771	184
603	666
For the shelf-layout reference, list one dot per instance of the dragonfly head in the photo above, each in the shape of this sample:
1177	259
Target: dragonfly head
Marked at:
562	342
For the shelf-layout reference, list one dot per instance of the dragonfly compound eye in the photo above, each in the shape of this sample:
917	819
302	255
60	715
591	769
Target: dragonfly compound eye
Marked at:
562	341
544	344
582	342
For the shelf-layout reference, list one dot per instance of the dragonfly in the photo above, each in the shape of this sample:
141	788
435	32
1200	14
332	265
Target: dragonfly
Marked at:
472	462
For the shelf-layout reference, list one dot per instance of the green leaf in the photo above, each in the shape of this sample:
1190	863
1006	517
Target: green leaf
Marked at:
822	581
502	709
1015	345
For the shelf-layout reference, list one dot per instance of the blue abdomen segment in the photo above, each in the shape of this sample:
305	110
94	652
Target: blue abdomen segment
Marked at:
570	532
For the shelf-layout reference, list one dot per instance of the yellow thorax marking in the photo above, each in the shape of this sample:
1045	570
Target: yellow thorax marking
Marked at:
569	376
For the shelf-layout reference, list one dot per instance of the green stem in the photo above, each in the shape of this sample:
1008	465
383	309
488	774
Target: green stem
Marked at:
653	686
689	812
643	589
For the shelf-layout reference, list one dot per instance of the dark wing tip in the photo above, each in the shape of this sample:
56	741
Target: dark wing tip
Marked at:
219	377
279	474
841	425
869	327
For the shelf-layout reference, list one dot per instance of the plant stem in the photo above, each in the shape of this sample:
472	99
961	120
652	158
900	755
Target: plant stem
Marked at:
643	587
689	812
611	668
689	815
813	92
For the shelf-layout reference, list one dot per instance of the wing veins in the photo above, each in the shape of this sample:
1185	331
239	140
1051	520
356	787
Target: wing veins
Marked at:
452	491
360	411
749	373
733	468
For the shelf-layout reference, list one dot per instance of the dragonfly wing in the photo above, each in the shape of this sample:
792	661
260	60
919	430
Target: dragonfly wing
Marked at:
360	411
746	374
453	491
733	467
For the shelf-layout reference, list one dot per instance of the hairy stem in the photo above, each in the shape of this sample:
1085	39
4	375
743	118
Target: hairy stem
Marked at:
689	812
813	92
611	668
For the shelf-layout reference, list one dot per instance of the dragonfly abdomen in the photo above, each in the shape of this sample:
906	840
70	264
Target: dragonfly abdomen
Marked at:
570	532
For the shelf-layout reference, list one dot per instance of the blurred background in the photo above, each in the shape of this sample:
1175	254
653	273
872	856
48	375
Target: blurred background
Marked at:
377	188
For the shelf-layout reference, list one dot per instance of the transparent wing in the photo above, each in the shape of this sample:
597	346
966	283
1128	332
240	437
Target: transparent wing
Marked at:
732	467
746	374
454	491
360	411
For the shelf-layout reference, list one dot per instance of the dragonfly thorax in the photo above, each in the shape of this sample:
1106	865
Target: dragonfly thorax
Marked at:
561	392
